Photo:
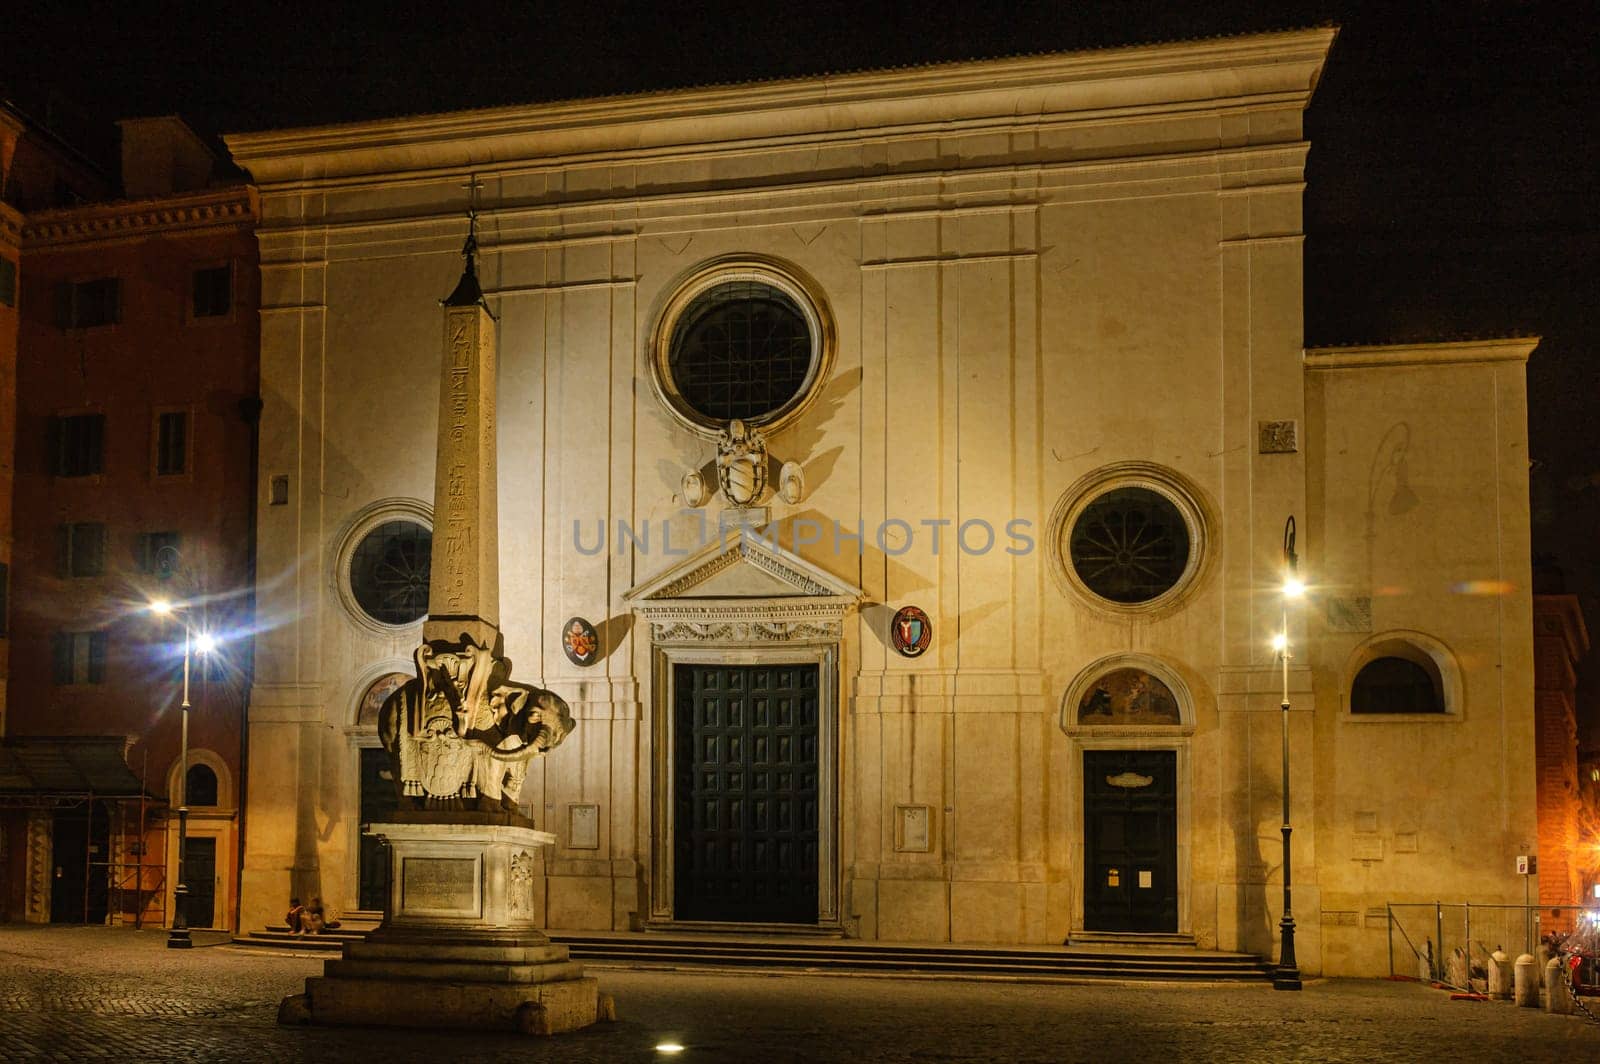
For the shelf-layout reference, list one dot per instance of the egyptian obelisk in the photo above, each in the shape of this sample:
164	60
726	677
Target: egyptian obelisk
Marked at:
464	587
460	944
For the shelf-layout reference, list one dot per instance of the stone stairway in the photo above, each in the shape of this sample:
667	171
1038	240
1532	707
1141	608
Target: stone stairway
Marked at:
1129	957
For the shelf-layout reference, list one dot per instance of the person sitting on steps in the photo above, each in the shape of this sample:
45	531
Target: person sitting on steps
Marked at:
315	919
296	916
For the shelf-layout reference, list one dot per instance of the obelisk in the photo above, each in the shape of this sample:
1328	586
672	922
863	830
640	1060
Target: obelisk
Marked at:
464	587
460	944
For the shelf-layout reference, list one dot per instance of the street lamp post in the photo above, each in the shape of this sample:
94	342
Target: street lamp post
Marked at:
178	932
1287	975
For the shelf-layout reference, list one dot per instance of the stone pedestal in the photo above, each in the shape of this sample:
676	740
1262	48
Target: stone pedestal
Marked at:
458	947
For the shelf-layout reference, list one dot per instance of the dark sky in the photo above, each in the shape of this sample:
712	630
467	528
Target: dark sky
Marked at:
1452	181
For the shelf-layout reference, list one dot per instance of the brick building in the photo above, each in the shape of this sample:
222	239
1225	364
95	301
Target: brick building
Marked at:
1560	642
136	397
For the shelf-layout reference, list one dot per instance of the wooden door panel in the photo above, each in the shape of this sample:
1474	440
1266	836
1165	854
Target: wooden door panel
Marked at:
746	775
1130	840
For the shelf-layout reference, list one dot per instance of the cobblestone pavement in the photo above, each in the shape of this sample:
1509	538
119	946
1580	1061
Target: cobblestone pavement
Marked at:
77	993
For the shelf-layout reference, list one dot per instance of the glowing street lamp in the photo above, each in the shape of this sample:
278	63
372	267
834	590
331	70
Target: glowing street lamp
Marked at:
1287	974
193	642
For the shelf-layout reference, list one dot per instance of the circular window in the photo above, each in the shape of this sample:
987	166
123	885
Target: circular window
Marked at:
739	341
389	572
1128	537
1130	545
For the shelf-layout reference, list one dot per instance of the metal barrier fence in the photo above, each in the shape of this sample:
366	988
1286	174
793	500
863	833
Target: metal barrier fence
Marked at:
1450	942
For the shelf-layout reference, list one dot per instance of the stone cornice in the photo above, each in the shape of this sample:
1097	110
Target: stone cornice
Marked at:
1382	356
223	208
1272	69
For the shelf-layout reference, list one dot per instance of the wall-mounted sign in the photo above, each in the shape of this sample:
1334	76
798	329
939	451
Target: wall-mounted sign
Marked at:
580	641
911	631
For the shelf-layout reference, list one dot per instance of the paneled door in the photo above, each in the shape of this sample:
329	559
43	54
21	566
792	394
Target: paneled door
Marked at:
1130	817
745	817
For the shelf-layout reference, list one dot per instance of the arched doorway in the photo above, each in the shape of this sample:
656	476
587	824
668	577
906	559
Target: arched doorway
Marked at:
1130	720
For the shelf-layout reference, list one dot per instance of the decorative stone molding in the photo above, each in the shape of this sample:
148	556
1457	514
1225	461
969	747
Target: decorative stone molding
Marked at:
219	209
1216	74
744	631
791	575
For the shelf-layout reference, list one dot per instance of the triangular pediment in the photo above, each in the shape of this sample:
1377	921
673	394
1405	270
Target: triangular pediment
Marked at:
745	566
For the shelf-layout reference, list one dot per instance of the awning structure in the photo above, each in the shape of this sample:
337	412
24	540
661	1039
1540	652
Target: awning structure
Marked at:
49	767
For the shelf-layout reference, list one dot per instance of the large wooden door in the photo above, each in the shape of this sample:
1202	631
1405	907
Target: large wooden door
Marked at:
1130	815
745	822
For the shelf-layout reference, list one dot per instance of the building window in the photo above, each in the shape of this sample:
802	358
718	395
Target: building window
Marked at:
80	657
200	786
172	443
741	341
213	292
1130	545
81	549
1128	538
389	572
86	304
8	281
158	552
1395	685
77	445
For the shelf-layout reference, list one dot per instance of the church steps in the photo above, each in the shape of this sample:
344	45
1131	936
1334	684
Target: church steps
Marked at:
1137	960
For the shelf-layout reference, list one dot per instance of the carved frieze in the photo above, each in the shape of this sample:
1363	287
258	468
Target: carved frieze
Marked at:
678	631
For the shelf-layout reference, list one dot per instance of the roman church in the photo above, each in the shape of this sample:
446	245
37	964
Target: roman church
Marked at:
899	474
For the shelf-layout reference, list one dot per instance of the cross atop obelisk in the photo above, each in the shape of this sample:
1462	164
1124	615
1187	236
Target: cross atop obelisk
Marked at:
464	588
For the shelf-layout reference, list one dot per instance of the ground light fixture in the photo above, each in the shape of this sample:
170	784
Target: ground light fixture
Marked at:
669	1048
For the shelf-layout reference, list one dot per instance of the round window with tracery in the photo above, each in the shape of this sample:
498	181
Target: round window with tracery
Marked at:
741	349
742	340
389	572
1130	545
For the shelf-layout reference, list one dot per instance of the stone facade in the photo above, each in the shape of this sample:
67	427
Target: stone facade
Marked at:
1030	282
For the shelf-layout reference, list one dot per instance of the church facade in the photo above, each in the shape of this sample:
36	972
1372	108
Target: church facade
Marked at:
894	476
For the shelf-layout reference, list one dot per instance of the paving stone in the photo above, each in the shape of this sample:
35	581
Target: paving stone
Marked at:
73	993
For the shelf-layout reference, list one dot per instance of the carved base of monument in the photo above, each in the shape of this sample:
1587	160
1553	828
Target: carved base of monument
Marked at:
458	947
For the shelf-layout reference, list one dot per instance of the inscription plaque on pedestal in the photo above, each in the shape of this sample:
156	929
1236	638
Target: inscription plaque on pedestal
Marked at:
439	884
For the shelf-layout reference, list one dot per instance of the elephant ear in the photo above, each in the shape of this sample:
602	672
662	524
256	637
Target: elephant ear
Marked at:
516	699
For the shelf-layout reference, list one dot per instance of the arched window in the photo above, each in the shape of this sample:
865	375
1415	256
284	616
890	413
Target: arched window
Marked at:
1393	684
200	786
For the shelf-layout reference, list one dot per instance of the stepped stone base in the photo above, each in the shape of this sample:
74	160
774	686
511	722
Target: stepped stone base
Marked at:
455	949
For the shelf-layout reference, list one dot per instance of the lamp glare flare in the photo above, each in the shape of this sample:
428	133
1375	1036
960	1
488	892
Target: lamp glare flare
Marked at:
204	642
1294	587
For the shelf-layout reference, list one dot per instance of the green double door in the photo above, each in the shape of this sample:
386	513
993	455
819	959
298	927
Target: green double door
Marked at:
746	793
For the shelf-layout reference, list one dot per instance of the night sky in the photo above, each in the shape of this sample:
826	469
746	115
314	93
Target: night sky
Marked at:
1452	179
